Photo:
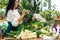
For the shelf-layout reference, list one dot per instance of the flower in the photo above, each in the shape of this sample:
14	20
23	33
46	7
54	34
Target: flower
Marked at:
27	34
38	17
35	26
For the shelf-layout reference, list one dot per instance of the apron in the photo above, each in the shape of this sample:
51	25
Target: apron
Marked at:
10	27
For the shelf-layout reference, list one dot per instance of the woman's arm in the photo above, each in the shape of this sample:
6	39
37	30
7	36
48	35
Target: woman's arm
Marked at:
22	16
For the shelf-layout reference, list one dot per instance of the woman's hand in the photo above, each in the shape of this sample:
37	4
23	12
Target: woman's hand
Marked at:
27	11
24	12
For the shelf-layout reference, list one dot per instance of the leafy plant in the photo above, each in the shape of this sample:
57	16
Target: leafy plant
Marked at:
30	26
3	3
30	5
49	14
33	6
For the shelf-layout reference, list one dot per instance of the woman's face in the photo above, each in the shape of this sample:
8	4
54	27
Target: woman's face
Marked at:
16	4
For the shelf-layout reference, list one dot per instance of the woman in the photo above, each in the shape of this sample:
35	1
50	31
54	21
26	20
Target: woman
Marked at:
13	16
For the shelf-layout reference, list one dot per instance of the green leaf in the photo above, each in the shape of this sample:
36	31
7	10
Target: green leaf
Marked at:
46	0
45	4
37	0
39	3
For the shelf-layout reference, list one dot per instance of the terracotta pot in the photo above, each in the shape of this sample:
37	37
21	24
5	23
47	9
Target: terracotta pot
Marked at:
1	17
58	17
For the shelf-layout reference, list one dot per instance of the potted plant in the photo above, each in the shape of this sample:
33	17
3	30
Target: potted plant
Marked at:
2	14
30	5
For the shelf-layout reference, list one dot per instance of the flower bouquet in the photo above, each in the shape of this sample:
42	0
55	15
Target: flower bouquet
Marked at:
27	35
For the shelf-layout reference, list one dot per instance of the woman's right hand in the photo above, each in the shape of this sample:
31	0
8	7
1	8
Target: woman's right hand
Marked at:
23	12
22	16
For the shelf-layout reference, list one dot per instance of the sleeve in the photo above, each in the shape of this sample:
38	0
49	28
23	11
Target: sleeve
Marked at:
8	15
15	17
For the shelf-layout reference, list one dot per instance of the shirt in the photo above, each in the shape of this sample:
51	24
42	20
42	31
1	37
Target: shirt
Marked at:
12	16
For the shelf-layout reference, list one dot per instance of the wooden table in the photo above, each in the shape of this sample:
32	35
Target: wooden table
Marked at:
28	39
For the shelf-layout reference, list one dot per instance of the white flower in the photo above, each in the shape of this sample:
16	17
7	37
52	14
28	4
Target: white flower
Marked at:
48	38
39	17
34	34
55	35
27	34
20	34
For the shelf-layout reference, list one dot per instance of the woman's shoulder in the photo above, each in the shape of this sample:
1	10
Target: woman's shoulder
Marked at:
9	11
13	10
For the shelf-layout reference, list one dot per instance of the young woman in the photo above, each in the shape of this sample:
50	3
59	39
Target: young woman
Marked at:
13	16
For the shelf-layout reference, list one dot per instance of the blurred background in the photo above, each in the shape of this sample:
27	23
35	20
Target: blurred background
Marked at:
43	15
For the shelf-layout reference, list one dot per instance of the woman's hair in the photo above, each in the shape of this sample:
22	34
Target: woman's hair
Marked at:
10	5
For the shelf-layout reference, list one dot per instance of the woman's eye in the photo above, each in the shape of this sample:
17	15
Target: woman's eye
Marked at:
16	2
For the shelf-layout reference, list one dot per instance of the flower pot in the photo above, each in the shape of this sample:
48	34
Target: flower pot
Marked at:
58	17
1	17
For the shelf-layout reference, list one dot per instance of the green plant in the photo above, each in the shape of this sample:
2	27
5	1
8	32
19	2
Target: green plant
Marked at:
49	14
30	26
57	13
3	3
32	6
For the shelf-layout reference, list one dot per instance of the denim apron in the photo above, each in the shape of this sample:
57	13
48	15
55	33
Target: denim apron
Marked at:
10	27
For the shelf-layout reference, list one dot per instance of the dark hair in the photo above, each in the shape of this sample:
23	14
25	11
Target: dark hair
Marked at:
10	5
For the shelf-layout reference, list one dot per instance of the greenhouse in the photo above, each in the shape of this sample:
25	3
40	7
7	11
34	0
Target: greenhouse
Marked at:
29	20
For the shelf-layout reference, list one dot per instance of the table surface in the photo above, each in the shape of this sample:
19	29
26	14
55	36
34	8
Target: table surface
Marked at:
32	39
